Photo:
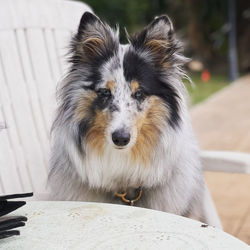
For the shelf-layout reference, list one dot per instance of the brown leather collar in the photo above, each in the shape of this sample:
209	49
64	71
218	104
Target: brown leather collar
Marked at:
131	202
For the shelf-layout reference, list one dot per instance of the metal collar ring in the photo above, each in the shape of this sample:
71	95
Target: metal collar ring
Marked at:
130	201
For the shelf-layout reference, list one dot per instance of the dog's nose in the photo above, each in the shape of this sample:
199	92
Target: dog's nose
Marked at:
120	137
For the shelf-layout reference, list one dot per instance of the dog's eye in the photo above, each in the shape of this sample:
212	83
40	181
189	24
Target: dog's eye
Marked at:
104	93
139	95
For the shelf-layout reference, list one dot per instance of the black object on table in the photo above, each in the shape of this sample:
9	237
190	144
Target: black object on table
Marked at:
7	223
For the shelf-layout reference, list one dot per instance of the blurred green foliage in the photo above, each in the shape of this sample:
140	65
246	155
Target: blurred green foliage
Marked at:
134	14
201	24
202	90
127	13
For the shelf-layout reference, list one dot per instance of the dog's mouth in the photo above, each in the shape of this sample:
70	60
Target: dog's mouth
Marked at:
124	148
119	147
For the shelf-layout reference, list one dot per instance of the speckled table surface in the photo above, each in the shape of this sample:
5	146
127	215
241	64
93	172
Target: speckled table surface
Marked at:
81	225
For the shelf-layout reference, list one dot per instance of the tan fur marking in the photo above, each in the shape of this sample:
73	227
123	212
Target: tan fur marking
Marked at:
93	45
111	85
134	86
165	64
149	127
96	134
159	47
83	106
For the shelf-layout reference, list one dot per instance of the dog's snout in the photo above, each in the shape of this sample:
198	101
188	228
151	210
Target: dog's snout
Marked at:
120	137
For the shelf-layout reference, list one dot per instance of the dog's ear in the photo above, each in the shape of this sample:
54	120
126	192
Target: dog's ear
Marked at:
94	38
88	19
157	39
159	30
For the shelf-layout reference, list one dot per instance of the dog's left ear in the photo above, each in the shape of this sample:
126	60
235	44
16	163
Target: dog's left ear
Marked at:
157	38
160	29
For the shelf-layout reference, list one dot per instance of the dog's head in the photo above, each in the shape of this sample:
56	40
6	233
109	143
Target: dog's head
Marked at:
123	96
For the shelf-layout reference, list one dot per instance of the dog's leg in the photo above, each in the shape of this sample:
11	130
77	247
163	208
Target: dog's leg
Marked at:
209	211
203	210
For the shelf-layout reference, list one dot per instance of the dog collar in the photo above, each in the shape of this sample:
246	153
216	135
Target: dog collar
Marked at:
131	202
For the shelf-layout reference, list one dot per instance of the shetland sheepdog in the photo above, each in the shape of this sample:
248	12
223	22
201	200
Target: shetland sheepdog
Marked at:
122	133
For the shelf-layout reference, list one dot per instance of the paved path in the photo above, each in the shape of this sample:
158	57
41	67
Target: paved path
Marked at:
222	122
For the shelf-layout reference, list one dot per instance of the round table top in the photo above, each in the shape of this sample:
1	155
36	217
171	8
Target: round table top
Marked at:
83	225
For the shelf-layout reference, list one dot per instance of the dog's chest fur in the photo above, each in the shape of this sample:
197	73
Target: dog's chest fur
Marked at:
170	183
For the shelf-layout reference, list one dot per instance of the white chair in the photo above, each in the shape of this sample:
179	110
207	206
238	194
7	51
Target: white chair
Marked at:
33	38
222	161
34	35
226	161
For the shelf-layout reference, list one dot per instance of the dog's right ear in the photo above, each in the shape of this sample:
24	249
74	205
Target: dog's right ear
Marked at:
86	20
94	38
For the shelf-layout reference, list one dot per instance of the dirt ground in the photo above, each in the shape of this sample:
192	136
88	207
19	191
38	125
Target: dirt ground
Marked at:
222	122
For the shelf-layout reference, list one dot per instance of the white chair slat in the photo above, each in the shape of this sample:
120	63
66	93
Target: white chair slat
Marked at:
12	152
32	90
7	119
7	154
62	39
53	57
42	73
226	161
21	111
40	124
14	183
2	191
